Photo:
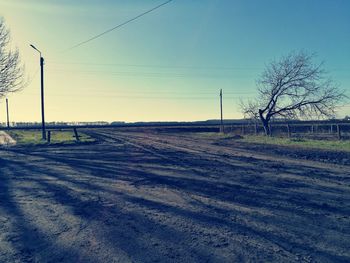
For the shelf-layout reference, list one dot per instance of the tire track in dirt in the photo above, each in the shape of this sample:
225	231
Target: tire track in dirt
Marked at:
188	143
258	163
336	176
226	155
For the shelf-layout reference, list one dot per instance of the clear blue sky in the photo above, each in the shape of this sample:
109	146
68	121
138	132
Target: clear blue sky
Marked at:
169	64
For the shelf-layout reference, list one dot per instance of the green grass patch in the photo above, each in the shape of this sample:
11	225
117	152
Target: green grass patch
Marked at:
333	145
213	135
33	137
300	142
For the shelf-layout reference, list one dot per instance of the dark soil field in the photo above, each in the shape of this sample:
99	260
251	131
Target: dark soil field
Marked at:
172	197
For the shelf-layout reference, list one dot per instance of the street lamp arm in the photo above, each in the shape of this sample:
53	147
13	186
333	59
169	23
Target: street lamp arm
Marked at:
35	49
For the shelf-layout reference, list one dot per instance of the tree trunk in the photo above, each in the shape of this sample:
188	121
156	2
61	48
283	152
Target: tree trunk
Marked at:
266	128
265	123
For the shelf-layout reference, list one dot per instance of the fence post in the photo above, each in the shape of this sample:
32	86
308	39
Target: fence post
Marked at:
242	129
76	135
339	132
256	129
312	129
288	129
331	128
48	136
270	128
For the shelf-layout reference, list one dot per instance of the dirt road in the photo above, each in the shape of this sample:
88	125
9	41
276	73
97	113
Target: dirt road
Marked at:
161	197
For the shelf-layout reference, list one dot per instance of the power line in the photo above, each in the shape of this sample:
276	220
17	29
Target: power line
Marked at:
118	26
202	67
156	66
161	92
141	96
133	74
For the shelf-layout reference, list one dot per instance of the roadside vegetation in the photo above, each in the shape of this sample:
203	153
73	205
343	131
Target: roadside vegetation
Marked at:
61	137
334	145
341	145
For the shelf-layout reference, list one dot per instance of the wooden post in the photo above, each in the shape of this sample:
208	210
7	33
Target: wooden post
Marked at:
76	135
48	136
242	129
312	129
288	130
222	122
339	132
331	128
8	116
256	129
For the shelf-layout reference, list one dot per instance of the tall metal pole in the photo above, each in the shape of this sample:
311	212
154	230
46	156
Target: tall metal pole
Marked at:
42	93
42	98
7	112
222	122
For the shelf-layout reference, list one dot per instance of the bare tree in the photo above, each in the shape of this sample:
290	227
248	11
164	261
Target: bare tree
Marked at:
11	69
293	88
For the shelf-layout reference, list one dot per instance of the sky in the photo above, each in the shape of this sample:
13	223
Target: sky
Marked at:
168	65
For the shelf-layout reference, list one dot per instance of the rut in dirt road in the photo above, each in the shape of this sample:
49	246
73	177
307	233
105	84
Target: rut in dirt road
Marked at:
153	197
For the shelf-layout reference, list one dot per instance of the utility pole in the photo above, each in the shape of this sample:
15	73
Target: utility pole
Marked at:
42	94
7	113
222	122
42	99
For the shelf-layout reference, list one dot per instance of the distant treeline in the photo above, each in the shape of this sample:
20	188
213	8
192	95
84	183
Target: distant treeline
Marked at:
167	123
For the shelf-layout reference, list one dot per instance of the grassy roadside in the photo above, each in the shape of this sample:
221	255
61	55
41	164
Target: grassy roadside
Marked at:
300	142
342	145
33	137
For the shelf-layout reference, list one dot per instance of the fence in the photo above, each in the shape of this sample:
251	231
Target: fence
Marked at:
330	131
